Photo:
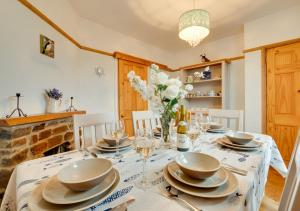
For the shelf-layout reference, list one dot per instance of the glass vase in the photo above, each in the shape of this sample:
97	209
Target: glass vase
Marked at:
165	130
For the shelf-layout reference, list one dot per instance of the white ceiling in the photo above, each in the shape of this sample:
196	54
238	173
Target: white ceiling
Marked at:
155	21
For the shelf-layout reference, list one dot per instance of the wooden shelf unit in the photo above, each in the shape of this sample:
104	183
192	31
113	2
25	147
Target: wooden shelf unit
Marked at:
202	97
218	82
204	81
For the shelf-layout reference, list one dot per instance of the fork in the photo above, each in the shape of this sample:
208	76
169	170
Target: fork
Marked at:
234	169
170	195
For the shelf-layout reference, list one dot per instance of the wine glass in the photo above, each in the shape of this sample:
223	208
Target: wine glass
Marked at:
117	130
173	132
144	145
204	122
193	132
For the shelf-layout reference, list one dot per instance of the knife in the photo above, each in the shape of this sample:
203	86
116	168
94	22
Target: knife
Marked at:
122	206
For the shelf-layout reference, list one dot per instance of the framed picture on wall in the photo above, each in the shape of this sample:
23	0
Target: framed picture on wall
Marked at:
46	46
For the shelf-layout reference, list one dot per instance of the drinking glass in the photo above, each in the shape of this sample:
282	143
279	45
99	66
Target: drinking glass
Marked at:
204	122
173	132
193	132
144	145
117	131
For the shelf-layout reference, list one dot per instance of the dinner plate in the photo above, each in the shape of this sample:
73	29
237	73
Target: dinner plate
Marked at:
112	150
252	144
109	138
218	179
221	130
234	147
37	203
105	145
56	193
224	190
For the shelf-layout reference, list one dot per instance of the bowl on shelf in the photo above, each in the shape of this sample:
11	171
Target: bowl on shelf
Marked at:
83	175
111	141
197	165
239	137
215	125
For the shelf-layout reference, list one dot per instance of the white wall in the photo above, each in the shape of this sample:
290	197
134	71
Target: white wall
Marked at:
25	70
226	47
97	36
236	85
97	94
279	26
254	116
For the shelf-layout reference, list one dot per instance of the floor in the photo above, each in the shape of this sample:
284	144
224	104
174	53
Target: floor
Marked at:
274	185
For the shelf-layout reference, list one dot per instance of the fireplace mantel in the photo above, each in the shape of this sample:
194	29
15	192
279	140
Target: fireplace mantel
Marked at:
26	138
36	118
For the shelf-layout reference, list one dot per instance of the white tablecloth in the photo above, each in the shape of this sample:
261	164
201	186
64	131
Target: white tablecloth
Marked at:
247	197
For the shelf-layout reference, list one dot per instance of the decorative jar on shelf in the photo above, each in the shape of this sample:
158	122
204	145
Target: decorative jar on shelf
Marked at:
53	100
53	105
190	79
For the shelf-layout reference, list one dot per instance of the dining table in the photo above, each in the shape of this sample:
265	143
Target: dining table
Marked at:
28	175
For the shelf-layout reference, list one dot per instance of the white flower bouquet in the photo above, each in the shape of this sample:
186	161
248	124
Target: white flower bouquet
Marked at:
163	93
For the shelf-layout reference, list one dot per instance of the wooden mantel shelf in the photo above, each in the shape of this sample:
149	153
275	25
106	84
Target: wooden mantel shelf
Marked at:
36	118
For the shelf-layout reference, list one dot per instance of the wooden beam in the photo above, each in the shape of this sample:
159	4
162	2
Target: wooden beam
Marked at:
35	10
127	57
235	58
214	62
272	45
203	64
36	118
96	51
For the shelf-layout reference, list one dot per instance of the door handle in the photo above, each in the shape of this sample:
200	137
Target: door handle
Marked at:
122	116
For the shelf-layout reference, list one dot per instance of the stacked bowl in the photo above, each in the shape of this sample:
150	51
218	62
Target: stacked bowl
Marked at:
109	144
201	175
215	127
239	141
78	186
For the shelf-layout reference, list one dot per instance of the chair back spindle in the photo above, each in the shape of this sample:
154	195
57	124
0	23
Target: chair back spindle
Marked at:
88	128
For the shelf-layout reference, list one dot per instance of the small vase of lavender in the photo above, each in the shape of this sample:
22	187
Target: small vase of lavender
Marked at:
54	100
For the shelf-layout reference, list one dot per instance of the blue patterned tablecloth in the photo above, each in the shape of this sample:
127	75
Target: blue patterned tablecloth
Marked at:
248	196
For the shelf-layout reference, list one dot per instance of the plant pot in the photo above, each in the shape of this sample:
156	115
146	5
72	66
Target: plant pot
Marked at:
53	105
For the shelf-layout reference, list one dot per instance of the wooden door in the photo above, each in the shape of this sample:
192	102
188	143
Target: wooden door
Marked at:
129	99
283	96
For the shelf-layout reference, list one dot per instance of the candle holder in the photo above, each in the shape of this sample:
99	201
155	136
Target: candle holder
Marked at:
18	109
71	107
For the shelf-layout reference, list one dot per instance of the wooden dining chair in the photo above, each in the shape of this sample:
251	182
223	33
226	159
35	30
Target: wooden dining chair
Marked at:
87	128
145	119
233	119
290	198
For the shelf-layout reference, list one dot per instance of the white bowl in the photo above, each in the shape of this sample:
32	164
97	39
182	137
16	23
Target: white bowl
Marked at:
215	125
112	141
84	174
197	165
239	137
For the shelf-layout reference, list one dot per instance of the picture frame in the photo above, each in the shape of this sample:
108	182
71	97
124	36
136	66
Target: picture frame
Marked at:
46	46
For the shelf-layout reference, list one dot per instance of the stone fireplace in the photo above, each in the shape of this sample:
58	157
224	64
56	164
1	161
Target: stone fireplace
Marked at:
27	138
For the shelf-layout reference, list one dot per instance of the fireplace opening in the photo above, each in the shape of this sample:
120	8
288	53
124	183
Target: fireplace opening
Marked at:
65	147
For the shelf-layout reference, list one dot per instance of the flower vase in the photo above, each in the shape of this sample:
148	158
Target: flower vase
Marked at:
165	131
52	105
